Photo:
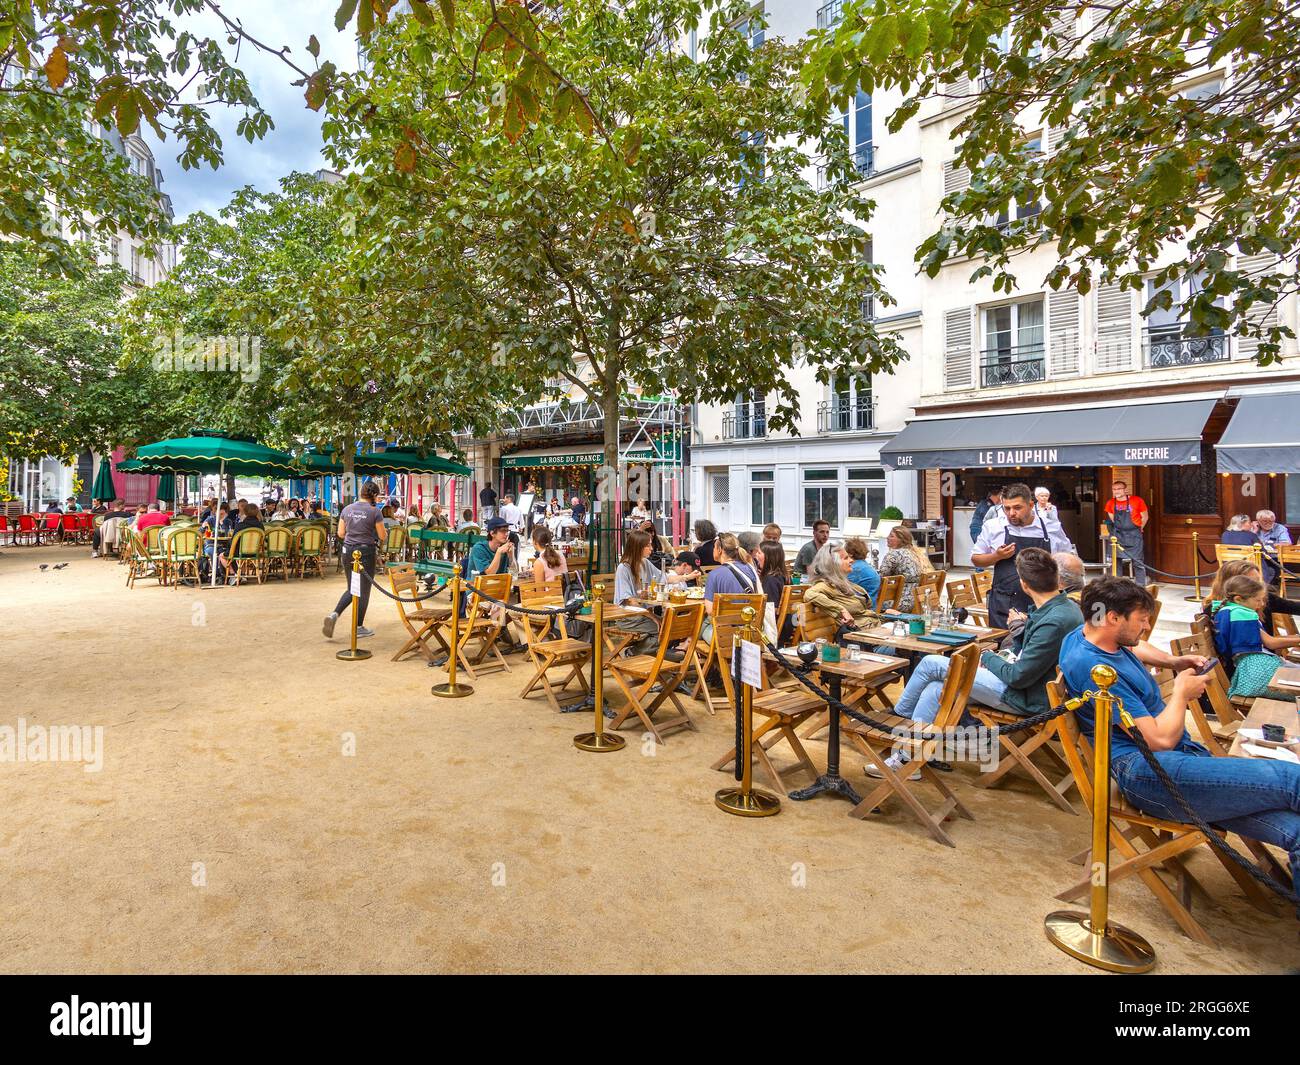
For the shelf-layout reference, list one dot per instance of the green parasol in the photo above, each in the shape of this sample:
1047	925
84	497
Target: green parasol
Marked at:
167	486
407	460
103	486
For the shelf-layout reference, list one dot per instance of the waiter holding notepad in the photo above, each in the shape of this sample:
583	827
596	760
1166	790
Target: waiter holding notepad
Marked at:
1004	536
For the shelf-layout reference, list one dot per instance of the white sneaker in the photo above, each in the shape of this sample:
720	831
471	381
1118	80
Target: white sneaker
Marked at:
328	627
362	631
895	763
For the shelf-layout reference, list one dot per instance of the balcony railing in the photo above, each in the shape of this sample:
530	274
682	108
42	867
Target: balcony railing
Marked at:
829	14
1171	345
744	424
1012	366
846	414
864	159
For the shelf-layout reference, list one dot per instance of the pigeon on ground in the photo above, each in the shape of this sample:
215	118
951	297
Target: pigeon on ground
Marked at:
44	566
60	565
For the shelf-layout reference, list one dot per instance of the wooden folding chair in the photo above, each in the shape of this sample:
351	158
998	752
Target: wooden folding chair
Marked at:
638	675
1146	844
961	593
1284	624
782	711
929	590
423	623
1154	589
891	592
1235	553
728	611
481	624
549	651
1021	747
791	597
1289	556
815	625
982	582
909	735
1203	644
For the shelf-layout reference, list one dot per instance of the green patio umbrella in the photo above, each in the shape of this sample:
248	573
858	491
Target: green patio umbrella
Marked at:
407	460
103	486
167	486
211	452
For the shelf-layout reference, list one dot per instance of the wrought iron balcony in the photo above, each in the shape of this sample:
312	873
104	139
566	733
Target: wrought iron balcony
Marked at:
1173	345
1012	366
829	14
846	414
744	423
864	159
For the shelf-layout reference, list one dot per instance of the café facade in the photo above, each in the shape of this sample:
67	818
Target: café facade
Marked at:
1195	457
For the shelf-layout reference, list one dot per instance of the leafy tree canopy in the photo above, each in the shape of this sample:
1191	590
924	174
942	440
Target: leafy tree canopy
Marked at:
1143	164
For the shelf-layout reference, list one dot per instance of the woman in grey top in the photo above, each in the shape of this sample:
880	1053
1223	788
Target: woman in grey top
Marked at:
632	579
361	527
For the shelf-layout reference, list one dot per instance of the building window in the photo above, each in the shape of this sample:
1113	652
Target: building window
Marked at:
866	492
748	419
1171	340
1018	215
762	499
849	408
821	497
1013	344
751	28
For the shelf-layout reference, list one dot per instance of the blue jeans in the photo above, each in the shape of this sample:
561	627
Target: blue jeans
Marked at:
1258	798
920	699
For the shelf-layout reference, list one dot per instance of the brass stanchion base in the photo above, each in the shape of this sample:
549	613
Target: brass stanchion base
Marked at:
604	741
448	690
755	804
1120	950
349	655
1193	599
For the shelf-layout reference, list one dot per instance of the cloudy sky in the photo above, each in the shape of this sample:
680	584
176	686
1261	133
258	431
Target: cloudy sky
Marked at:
295	142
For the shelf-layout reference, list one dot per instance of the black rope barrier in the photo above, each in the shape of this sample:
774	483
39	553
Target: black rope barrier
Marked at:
887	727
397	598
1212	834
1179	576
571	607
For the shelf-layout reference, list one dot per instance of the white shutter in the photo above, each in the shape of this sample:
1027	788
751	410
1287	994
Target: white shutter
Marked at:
958	367
1260	314
1065	25
1055	135
959	92
1115	318
955	177
1063	335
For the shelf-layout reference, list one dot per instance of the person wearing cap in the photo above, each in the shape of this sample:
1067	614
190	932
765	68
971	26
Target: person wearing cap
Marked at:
494	555
687	564
72	507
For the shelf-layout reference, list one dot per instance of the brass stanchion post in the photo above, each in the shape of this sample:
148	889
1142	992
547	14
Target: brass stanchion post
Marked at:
451	689
1091	937
598	741
352	653
1258	549
746	801
1114	556
1196	569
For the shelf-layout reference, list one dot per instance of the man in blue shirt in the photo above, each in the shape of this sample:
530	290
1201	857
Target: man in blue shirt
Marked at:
1257	798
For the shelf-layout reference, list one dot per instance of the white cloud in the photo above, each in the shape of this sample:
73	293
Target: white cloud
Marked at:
295	142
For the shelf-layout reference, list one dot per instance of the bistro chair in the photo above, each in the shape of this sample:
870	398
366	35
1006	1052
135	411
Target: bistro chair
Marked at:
638	675
902	732
70	528
891	593
1146	844
1021	748
246	555
153	537
727	616
550	651
1289	556
142	562
183	555
483	623
309	550
423	623
929	590
982	582
394	546
791	598
277	550
1154	589
27	530
1284	624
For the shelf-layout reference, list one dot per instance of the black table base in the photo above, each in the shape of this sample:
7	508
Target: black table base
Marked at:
830	782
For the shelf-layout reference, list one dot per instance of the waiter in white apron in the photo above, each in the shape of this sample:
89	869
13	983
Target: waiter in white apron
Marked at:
1002	538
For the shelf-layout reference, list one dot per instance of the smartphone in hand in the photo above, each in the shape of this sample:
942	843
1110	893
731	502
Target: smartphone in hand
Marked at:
1208	667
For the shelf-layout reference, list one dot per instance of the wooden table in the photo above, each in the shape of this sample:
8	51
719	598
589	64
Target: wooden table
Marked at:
1287	678
884	635
615	639
1269	712
831	782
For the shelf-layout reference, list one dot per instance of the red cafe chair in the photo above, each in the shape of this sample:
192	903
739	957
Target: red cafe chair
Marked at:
26	529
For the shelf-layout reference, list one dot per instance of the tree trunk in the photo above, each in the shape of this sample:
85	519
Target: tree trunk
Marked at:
348	479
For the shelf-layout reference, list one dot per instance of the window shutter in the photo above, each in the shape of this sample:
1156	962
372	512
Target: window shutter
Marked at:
1115	318
1260	315
958	371
955	177
1063	323
1064	25
1055	135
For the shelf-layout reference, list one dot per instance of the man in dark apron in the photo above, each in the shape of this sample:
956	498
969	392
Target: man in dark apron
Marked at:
1023	529
1126	515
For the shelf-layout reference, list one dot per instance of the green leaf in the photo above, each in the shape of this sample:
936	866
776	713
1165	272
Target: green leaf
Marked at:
344	14
448	13
313	46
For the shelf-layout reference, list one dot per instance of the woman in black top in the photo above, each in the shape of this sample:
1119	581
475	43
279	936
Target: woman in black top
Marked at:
771	576
707	534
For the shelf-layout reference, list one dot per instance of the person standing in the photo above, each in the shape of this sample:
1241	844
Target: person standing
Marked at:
361	528
487	501
514	517
1005	535
991	502
1126	517
1043	504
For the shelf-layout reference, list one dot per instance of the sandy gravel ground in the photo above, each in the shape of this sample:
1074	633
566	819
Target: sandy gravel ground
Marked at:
228	830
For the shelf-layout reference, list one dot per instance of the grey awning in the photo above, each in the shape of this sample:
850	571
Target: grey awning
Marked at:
1263	435
1144	434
